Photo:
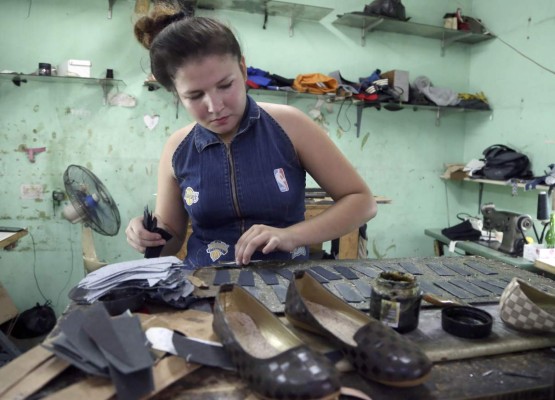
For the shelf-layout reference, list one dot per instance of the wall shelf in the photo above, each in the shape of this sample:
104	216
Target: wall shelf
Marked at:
106	84
367	23
439	110
269	8
513	183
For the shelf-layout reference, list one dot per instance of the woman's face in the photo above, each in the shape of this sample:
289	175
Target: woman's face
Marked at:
212	89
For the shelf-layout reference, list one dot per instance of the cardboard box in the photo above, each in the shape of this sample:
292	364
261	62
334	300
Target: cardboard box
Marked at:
455	172
534	251
8	310
399	80
80	68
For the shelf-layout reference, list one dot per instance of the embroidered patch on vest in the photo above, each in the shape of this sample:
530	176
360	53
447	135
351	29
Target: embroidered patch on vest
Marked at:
217	249
298	252
191	197
279	174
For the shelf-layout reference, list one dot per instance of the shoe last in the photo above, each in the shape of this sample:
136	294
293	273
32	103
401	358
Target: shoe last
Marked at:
376	351
273	361
526	308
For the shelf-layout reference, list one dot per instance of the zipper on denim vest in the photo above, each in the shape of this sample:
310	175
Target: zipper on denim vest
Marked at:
234	186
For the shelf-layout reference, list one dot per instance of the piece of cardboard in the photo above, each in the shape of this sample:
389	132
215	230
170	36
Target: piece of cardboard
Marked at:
8	310
455	172
399	80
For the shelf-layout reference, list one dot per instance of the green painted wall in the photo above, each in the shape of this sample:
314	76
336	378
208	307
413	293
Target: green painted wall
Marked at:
400	154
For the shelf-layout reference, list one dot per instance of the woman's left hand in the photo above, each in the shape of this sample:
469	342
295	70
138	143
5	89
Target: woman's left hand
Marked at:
264	238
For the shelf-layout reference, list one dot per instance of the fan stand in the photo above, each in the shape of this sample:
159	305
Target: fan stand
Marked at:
90	260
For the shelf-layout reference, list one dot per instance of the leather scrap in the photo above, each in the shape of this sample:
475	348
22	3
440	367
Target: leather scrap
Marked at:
346	272
441	270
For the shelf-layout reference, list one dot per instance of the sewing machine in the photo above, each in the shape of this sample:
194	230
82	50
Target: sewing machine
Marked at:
513	226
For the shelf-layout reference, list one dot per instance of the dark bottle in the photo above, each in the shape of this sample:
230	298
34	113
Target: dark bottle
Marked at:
550	236
395	300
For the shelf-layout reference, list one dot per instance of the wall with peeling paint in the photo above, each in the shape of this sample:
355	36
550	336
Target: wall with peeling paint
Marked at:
401	155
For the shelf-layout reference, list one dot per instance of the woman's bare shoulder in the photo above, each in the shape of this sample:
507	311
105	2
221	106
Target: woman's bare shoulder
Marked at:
177	137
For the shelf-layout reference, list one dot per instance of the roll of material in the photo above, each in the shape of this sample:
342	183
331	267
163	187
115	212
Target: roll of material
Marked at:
543	207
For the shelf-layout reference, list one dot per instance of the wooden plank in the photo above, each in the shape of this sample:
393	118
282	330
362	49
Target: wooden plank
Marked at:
17	369
36	379
12	238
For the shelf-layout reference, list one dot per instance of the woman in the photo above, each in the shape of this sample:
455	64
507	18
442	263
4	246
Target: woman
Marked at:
239	171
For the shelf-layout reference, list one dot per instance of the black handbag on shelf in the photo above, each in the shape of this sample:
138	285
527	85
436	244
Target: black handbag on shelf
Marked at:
502	162
387	8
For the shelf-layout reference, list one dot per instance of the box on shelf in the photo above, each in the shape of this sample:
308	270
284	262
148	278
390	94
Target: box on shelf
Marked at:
454	172
534	251
399	80
80	68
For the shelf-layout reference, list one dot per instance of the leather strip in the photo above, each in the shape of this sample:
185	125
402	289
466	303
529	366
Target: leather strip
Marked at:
411	268
440	269
368	271
202	353
325	273
469	287
487	286
281	292
480	267
388	267
269	277
318	277
459	269
346	272
428	287
498	282
246	278
221	276
348	293
364	288
454	290
286	273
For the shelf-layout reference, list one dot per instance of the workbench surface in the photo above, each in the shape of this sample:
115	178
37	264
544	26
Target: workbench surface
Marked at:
521	367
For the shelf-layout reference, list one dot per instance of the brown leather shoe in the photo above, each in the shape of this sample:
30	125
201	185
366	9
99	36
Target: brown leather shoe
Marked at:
376	351
274	362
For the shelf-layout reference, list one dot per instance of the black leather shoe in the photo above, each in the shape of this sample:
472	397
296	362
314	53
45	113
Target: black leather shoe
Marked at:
376	351
274	362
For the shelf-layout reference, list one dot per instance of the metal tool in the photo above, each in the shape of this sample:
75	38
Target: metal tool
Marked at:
513	226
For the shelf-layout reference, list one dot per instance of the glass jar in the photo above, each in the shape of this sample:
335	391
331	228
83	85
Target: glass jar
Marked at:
395	300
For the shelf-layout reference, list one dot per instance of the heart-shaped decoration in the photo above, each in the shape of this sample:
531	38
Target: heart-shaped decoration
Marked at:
151	121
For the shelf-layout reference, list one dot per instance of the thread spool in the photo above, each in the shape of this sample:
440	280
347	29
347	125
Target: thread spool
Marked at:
543	208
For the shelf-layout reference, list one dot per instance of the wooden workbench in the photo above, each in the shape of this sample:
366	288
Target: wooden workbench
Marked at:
9	238
522	374
348	244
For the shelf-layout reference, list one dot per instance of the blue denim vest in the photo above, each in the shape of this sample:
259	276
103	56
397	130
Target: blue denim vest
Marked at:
257	179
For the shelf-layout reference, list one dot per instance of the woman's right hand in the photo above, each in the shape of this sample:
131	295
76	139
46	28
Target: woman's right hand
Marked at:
139	238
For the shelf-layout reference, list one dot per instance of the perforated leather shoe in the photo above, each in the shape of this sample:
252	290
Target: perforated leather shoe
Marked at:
526	308
376	351
273	361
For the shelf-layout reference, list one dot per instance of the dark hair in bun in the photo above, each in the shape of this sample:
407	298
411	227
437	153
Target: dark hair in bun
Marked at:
174	39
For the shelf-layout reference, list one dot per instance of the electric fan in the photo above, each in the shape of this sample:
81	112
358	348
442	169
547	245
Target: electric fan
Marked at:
92	205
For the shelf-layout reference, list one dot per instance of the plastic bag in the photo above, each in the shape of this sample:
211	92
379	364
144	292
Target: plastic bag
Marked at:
386	8
34	322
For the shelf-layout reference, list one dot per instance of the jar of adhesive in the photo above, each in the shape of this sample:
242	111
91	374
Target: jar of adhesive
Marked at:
395	300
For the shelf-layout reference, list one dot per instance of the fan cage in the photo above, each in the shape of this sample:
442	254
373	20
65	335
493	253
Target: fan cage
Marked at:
91	200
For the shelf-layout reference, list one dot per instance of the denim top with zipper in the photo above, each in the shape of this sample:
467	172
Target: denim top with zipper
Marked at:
256	179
